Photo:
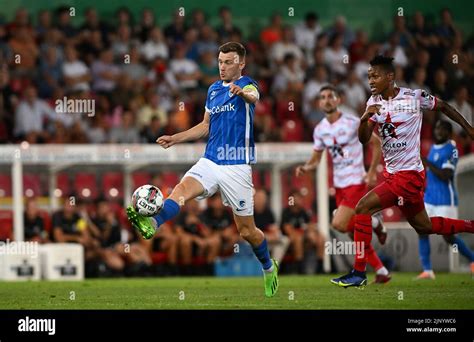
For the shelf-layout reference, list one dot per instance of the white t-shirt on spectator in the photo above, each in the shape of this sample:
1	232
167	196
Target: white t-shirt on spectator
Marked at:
76	69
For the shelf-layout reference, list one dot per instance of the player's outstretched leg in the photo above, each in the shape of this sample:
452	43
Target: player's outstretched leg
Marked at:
425	251
368	204
256	238
187	189
379	228
146	226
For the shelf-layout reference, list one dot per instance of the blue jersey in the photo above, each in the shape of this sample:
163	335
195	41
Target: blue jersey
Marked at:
231	124
438	191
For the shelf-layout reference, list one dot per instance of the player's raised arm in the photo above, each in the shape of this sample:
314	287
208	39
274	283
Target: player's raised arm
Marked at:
366	126
199	131
454	115
249	93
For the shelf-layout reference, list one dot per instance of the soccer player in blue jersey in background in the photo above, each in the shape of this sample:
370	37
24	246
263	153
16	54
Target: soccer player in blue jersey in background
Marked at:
225	166
441	197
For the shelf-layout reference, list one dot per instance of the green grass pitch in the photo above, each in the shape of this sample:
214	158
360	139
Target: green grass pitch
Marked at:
449	291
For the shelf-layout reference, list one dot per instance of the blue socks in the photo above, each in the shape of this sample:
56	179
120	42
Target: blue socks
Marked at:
169	211
463	249
263	255
424	249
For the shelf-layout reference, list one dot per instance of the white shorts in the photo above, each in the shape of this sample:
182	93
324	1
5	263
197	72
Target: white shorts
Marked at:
233	181
448	211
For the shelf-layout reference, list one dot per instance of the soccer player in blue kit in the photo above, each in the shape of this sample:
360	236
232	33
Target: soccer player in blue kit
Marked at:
226	164
441	197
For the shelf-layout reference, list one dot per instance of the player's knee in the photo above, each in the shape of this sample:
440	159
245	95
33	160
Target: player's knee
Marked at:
422	230
449	239
362	207
338	225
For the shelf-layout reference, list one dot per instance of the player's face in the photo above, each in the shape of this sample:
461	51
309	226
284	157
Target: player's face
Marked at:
379	80
328	101
441	134
230	66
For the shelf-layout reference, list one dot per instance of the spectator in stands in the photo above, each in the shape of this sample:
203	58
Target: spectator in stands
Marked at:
306	33
155	46
152	131
64	24
207	41
185	70
447	30
30	117
209	69
135	69
34	224
69	226
93	23
420	32
265	220
226	28
220	221
175	32
286	46
272	33
404	37
25	52
104	227
151	108
355	92
290	77
419	79
127	132
104	72
461	104
198	19
440	87
122	44
44	23
146	24
294	222
50	73
358	48
336	57
76	73
340	28
318	78
97	133
195	238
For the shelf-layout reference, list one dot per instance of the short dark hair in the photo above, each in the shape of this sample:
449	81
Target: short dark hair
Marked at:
384	62
446	125
311	16
329	87
233	47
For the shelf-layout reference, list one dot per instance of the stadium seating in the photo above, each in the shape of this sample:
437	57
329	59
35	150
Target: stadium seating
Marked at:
112	185
32	185
85	185
5	185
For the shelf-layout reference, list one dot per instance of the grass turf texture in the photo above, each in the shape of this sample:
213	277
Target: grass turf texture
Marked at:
448	291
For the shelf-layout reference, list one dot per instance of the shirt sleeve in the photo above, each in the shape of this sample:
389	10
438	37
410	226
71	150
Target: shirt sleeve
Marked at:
318	144
426	100
208	101
452	160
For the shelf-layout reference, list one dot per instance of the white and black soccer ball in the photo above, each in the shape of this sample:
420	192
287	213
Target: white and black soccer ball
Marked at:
147	200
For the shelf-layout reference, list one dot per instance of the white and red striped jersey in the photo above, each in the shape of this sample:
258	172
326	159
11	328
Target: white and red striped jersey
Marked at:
341	140
399	125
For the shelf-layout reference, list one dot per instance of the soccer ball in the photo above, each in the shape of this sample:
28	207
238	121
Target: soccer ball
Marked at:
147	200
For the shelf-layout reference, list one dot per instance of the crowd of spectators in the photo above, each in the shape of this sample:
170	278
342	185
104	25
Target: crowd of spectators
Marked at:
149	78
